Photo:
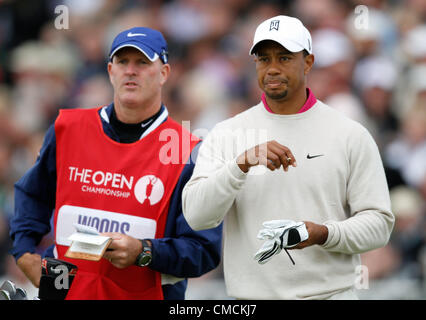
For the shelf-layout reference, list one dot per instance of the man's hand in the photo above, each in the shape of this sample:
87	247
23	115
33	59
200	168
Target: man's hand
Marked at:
318	234
30	264
270	154
123	250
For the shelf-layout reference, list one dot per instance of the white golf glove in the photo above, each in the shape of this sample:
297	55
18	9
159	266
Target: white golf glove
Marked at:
279	234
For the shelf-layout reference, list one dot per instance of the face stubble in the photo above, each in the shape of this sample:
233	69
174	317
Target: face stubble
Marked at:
275	94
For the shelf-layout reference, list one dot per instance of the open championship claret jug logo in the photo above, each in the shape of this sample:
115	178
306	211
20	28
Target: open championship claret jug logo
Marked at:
149	188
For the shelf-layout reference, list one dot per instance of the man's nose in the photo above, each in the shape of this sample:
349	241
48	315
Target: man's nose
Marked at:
130	69
273	68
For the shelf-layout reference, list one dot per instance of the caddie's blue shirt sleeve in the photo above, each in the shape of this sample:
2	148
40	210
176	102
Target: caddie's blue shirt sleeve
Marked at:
184	252
35	200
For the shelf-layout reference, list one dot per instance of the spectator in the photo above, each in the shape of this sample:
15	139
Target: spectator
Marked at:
375	77
411	144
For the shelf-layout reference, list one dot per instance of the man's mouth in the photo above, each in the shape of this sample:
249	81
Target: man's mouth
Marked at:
130	84
274	83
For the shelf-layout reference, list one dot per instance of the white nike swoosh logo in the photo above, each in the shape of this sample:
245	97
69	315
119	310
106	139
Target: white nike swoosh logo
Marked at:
136	34
145	124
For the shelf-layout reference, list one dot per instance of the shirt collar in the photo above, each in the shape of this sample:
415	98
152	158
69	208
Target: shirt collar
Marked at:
310	101
106	113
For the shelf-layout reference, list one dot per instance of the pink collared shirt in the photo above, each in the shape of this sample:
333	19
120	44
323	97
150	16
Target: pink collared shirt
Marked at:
308	104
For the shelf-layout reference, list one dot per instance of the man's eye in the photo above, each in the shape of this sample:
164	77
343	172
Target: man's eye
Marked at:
285	58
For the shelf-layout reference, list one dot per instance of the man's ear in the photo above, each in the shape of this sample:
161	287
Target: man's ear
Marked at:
309	62
109	66
165	72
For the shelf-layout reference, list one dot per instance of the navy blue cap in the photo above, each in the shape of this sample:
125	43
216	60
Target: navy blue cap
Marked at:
149	41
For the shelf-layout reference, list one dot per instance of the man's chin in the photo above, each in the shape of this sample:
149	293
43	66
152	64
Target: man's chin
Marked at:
276	95
130	99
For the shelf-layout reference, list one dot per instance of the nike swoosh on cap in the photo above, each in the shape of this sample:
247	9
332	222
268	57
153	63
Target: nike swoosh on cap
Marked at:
130	34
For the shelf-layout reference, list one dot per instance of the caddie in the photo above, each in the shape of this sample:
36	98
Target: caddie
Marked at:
110	168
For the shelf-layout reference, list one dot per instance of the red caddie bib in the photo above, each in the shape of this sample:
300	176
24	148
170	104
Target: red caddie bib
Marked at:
114	187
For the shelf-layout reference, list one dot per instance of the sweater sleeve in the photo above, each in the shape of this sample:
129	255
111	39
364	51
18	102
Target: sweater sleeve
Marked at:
371	220
214	185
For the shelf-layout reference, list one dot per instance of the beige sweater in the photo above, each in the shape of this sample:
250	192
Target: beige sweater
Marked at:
345	189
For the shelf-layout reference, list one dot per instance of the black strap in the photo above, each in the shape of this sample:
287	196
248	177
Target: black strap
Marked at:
289	256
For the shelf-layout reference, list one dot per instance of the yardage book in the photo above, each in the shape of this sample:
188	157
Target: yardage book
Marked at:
87	244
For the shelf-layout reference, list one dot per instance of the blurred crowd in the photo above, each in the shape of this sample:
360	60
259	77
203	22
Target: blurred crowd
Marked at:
370	63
